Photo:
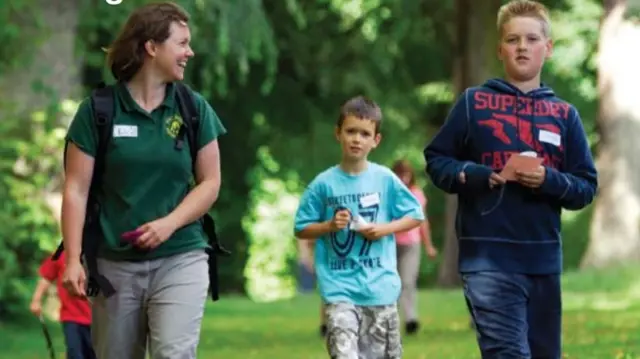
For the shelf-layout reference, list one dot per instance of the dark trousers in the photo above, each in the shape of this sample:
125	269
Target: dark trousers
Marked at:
78	341
516	316
306	279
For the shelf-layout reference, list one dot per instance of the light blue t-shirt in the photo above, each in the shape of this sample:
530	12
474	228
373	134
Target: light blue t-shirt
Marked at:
349	267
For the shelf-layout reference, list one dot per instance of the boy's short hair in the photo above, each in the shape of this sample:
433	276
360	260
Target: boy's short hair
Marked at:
152	21
363	108
524	8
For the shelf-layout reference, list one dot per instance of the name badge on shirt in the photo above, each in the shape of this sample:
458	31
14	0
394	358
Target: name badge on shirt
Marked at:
549	137
369	200
125	131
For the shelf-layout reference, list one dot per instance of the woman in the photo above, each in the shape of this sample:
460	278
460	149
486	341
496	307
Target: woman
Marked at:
160	278
408	251
307	270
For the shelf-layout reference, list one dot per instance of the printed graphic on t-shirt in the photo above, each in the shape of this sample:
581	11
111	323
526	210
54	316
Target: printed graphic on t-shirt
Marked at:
343	243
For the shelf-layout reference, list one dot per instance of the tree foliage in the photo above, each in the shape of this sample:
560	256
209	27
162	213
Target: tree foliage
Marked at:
276	73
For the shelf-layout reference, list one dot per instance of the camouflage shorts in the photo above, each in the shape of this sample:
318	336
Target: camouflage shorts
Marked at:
356	332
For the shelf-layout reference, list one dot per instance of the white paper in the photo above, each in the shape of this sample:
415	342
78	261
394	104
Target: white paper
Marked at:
357	223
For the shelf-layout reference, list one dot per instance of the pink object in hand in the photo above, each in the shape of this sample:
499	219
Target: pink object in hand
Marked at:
131	235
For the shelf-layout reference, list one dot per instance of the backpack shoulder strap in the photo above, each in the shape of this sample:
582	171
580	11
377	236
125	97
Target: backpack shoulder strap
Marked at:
102	104
191	126
190	116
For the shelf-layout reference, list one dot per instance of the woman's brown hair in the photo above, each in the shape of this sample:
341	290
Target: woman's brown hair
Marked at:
402	167
152	22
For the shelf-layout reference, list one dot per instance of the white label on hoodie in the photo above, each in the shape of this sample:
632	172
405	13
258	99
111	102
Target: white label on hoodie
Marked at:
549	137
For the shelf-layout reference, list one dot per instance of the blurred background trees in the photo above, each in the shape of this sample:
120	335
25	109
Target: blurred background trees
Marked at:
276	72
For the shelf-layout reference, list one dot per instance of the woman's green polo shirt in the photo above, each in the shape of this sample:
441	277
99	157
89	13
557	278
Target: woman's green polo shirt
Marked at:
145	176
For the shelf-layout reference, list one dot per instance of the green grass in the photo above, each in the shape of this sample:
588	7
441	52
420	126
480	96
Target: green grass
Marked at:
601	321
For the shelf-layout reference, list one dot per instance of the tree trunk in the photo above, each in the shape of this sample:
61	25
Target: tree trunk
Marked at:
448	273
476	61
52	66
615	227
55	66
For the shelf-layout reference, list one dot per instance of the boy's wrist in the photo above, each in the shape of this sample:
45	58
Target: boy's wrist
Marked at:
328	227
477	175
386	228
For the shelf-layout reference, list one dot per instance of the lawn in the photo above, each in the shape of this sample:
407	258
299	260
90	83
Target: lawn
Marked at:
602	320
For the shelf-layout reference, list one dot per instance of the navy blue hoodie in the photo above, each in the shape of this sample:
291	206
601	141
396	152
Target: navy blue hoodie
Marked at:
511	228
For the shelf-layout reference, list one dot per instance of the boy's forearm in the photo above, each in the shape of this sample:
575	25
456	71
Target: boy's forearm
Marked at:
401	225
575	187
314	230
442	154
41	288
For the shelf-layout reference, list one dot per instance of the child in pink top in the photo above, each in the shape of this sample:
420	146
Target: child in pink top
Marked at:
408	251
413	236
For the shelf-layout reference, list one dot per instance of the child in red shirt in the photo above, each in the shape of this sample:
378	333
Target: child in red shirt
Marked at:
75	312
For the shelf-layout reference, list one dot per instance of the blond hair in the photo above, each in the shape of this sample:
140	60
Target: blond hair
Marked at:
524	8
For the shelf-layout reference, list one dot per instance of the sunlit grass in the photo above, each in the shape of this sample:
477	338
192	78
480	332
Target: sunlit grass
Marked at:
601	321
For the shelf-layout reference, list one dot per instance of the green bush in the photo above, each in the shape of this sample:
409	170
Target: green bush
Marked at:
30	164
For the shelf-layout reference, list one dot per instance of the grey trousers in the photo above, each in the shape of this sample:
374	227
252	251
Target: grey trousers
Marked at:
356	332
409	268
158	305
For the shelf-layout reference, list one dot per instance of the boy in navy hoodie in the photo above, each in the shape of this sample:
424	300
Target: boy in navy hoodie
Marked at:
510	255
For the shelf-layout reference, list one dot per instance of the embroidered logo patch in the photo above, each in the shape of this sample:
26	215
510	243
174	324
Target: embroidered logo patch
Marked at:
173	125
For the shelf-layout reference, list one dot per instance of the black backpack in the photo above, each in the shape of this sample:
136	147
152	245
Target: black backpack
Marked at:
102	101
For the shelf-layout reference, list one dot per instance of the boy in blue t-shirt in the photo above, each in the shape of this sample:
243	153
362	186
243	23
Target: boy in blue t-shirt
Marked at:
354	209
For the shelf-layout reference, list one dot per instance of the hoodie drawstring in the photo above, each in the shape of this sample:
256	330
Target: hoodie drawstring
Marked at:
498	202
533	124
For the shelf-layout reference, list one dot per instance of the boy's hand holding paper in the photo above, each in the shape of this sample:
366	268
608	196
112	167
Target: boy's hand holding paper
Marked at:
525	168
370	231
357	223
